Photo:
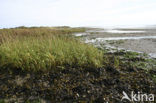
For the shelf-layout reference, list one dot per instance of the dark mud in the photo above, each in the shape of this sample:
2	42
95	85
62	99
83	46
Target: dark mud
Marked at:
79	85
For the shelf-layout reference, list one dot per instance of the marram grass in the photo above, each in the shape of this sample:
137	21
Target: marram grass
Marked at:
47	53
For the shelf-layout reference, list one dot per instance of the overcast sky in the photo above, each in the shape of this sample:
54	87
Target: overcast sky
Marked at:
77	12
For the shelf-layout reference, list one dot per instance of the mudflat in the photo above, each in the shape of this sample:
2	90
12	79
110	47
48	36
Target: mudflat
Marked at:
143	41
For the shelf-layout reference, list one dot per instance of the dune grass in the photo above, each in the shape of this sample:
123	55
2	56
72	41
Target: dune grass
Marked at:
36	49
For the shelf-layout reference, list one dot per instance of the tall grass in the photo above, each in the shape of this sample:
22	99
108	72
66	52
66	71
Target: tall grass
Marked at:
45	49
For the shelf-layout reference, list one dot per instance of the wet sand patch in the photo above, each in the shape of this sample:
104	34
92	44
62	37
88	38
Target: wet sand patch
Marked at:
143	45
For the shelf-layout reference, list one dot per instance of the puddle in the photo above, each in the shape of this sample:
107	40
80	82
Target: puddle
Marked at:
80	34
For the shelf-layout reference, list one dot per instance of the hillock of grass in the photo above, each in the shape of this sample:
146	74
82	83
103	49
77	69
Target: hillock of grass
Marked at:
36	49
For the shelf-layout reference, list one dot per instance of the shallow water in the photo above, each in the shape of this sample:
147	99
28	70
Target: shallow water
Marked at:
121	38
121	31
117	31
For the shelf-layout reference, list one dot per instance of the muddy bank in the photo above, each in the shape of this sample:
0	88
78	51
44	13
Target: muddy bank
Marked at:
143	40
144	45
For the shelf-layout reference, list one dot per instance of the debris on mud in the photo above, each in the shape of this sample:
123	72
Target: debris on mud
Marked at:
79	85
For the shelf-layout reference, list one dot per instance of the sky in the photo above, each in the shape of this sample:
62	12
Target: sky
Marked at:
97	13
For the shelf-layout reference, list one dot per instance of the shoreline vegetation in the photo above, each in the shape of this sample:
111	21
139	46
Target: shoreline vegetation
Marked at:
49	64
46	48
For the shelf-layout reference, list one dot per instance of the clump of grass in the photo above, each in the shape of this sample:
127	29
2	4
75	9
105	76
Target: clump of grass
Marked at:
47	52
